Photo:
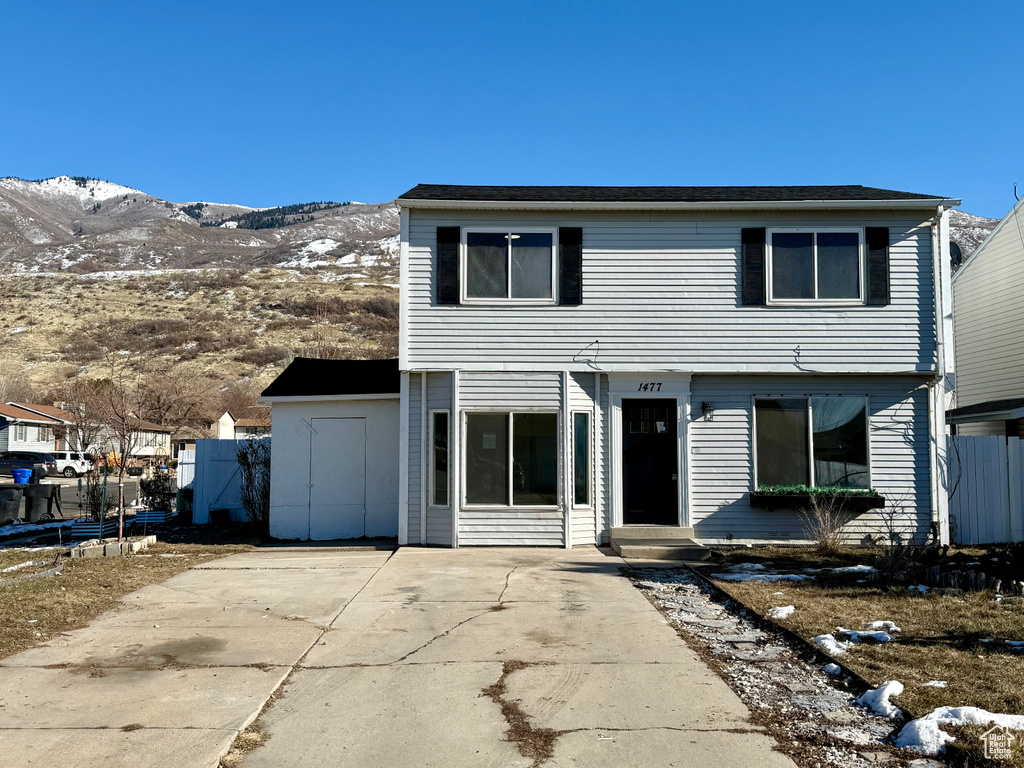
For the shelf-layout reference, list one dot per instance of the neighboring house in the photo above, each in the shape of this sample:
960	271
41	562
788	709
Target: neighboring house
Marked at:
24	428
45	427
335	453
229	428
152	442
988	319
577	361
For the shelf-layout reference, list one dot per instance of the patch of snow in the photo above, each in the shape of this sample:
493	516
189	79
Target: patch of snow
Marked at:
935	684
888	626
833	670
229	225
17	329
919	588
65	186
26	564
756	572
19	528
855	569
320	247
926	738
783	612
854	636
877	699
829	644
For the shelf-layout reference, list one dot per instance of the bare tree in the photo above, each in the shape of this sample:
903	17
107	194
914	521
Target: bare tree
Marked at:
179	397
83	399
241	400
124	395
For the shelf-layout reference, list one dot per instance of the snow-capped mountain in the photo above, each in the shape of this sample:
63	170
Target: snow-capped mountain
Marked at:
83	225
969	231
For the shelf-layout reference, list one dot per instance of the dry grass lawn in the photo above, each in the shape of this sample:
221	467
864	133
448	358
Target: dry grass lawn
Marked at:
940	637
33	611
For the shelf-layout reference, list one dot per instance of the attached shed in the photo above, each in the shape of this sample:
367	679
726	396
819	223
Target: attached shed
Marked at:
335	449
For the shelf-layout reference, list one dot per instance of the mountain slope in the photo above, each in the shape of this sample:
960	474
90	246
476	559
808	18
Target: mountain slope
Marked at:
87	225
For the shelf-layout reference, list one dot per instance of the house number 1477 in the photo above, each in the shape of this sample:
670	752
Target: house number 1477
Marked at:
649	386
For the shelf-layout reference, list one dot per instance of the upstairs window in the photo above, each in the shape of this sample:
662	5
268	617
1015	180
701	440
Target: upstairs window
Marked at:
509	265
816	266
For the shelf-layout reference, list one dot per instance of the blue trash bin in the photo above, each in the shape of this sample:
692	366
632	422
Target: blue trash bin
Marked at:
21	476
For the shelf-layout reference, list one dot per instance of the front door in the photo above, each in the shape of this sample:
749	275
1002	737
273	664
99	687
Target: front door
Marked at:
650	463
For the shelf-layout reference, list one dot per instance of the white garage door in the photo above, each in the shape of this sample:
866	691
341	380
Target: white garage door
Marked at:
337	477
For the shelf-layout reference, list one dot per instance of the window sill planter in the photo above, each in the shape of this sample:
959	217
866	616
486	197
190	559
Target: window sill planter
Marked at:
854	503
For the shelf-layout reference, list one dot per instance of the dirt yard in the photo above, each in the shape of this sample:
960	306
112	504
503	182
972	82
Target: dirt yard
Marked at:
946	636
33	611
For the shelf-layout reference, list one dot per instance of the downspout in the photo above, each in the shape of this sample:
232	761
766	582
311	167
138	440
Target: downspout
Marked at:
426	447
937	386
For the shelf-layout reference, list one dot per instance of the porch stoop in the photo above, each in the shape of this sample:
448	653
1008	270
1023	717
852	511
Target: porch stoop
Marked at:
657	542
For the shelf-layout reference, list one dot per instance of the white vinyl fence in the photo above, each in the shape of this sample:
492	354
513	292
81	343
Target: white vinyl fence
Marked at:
186	467
213	473
986	476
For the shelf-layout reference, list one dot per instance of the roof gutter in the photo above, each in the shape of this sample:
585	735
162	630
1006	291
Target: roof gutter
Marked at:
733	205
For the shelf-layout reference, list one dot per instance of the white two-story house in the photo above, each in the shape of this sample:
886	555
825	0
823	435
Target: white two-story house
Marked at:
577	361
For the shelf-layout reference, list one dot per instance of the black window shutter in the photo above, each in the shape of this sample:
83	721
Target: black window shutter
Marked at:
448	265
878	266
752	266
570	265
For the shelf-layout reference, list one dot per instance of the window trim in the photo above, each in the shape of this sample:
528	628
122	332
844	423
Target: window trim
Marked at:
464	298
862	264
430	460
810	429
589	413
509	413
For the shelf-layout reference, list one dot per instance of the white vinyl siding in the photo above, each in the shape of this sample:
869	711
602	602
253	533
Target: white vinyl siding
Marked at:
661	291
988	307
484	391
722	460
24	437
581	400
439	519
508	391
416	440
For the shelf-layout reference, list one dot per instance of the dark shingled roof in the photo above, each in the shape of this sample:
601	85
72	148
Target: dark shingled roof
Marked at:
655	194
308	377
982	409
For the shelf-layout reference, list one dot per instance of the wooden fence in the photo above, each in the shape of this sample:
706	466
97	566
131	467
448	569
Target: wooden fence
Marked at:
986	480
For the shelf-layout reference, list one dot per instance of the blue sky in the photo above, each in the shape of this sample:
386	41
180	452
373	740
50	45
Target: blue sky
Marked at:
268	103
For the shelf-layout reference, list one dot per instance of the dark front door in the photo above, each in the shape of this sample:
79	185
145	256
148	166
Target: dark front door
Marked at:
650	463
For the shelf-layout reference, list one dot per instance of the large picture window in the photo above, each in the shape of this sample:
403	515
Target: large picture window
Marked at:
817	441
512	459
510	265
815	266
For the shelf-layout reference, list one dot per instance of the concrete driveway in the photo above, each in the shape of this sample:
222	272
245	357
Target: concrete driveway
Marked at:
475	657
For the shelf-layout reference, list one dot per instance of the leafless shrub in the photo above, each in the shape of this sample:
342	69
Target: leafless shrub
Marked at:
823	522
900	553
261	356
254	472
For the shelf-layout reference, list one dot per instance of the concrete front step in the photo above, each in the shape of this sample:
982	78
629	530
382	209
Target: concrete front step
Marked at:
660	549
645	532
